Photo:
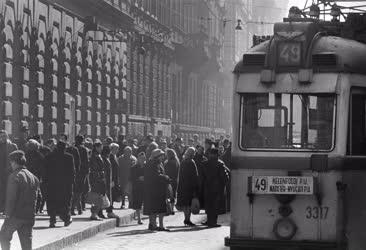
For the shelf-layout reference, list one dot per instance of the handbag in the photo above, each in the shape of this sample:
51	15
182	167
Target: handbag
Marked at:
195	206
169	207
105	202
93	198
117	193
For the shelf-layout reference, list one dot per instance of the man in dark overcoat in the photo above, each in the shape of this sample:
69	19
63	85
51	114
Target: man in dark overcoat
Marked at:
215	177
81	179
59	181
6	147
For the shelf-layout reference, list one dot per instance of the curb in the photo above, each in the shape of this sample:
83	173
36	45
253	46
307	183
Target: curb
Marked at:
87	233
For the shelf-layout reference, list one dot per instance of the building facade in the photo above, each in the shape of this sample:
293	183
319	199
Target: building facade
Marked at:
112	67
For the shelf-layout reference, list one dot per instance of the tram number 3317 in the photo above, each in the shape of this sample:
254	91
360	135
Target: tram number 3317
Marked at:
316	212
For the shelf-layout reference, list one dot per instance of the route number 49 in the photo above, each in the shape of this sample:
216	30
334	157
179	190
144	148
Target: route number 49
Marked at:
261	184
289	54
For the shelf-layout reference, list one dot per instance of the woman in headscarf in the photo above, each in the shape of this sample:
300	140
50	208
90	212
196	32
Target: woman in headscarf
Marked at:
137	181
188	185
171	168
155	187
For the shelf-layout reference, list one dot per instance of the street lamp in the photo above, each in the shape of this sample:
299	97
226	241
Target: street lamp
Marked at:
238	26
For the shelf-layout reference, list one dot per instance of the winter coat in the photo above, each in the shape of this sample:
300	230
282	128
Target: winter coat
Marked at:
137	171
59	180
114	164
108	176
81	178
226	157
188	183
5	150
44	150
215	177
125	164
171	168
200	161
21	195
97	175
155	188
35	163
75	154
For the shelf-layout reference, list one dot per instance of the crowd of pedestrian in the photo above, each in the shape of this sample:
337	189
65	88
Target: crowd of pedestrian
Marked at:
152	176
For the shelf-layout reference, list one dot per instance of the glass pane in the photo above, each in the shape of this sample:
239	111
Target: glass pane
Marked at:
287	121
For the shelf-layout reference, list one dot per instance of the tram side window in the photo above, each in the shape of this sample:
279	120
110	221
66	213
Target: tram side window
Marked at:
357	144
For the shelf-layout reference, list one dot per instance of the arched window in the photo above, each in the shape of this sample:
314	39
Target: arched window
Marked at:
98	117
116	119
40	111
40	61
53	128
108	79
79	71
116	81
54	96
88	116
40	129
88	129
89	74
67	68
25	109
54	65
8	34
8	52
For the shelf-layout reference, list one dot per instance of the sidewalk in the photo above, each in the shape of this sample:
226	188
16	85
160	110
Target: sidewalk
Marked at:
45	238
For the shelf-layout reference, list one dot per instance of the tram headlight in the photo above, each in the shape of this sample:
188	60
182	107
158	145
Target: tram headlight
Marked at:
284	229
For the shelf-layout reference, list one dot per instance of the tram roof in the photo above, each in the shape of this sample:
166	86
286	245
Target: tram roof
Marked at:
349	56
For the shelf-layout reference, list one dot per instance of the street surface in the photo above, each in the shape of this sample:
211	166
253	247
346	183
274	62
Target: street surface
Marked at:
180	237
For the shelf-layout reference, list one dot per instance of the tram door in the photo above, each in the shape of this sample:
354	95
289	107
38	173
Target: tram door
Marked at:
355	175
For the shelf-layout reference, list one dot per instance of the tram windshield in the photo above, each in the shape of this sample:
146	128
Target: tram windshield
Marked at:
287	121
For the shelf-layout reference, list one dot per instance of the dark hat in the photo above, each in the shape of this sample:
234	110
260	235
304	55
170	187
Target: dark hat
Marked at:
24	129
18	157
214	151
208	141
79	139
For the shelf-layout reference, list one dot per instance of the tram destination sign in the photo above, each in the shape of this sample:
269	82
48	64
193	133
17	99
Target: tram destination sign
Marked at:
302	185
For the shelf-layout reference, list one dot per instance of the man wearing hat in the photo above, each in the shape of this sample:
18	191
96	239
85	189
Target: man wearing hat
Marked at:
215	178
21	196
81	176
23	139
6	147
59	181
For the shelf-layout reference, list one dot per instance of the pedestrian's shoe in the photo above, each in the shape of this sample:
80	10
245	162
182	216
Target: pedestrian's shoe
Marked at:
94	217
67	223
112	215
163	229
73	212
101	215
80	212
52	225
213	225
140	222
204	223
189	223
152	227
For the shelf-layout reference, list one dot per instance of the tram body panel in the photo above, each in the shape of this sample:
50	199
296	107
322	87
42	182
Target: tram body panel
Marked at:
256	220
355	207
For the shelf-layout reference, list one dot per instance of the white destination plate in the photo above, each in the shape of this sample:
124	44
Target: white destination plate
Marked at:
282	185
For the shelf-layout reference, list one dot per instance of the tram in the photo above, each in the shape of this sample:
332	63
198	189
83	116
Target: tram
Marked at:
299	138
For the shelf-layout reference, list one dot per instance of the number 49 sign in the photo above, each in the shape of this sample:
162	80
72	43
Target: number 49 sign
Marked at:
289	54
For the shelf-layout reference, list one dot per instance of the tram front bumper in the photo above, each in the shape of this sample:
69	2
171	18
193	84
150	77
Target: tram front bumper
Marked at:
250	244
